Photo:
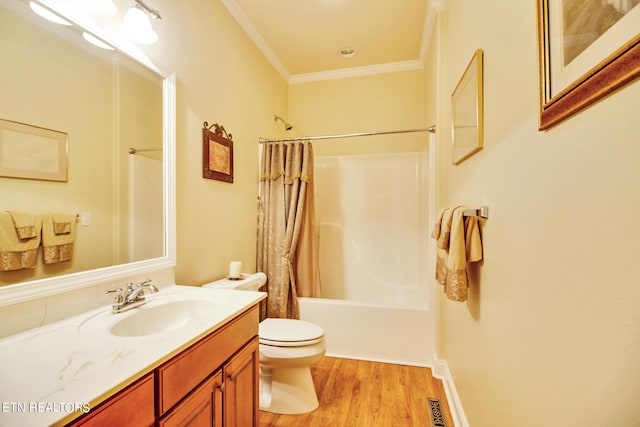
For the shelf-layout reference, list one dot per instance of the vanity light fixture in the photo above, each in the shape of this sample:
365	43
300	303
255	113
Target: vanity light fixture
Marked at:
45	13
102	8
136	24
95	41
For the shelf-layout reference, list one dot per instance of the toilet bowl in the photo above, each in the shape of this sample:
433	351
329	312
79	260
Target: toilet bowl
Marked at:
288	348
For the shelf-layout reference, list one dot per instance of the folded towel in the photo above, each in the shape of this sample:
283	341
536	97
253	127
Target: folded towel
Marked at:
442	244
435	233
56	247
17	253
25	224
445	229
62	222
464	245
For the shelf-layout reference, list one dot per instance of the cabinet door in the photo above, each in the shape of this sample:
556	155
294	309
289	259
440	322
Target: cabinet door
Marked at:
203	407
241	387
177	377
131	407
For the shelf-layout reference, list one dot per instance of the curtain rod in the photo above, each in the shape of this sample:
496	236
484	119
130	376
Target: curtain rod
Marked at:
431	129
140	150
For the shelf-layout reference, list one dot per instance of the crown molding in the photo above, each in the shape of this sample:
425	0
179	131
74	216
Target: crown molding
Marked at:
367	70
433	7
257	38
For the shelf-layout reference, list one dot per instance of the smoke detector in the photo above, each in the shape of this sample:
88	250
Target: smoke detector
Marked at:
347	52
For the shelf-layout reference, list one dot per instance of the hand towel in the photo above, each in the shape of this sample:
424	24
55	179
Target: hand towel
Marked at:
17	253
463	248
62	222
463	245
445	229
443	244
435	233
25	224
56	247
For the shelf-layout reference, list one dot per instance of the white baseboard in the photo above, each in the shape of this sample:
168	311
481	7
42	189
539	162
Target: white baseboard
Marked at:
441	371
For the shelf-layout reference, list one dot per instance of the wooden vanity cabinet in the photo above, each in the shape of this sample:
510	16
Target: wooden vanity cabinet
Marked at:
227	398
214	382
203	407
241	387
132	406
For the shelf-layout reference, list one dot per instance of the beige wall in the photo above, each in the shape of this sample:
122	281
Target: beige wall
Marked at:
221	78
383	102
551	331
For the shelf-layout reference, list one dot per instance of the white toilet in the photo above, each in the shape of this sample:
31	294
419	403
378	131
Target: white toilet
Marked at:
288	348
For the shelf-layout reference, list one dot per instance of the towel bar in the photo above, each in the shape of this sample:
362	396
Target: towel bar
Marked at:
482	212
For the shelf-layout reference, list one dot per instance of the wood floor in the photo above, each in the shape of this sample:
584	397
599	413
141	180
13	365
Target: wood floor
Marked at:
358	393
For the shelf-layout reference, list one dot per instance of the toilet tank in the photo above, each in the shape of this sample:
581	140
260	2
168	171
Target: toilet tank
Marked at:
248	282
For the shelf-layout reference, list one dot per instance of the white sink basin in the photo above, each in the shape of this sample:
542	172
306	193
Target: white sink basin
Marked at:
164	314
178	308
163	317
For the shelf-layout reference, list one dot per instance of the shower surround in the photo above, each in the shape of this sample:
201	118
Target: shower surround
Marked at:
372	217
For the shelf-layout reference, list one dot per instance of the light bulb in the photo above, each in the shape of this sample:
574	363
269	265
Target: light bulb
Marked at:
137	27
45	13
96	41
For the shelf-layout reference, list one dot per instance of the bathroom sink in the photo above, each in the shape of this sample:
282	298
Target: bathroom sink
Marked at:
156	316
164	317
175	309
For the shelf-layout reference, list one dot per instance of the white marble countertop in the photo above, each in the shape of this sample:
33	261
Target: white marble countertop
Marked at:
47	373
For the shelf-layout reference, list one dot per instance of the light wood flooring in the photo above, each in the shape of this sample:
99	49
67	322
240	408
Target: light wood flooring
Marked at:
358	393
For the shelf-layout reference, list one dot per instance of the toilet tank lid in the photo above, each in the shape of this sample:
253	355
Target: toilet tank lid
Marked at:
249	282
289	330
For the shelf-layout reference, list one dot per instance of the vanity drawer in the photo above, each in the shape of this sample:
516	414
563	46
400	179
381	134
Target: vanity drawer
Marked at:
133	407
183	373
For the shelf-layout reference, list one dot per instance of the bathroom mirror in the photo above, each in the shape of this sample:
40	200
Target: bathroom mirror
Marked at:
467	114
106	102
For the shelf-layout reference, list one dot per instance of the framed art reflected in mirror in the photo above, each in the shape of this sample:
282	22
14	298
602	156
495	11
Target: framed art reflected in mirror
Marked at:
467	111
32	152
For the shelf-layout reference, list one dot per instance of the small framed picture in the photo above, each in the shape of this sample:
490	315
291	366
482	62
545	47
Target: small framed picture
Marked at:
467	111
32	152
217	153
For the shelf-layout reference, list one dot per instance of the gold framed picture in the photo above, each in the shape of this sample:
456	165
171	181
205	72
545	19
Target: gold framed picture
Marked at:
586	51
33	152
467	111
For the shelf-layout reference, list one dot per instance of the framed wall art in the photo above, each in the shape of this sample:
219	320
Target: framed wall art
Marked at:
32	152
586	51
217	153
467	111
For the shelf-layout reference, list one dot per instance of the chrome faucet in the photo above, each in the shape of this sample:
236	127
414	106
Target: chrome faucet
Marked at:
131	297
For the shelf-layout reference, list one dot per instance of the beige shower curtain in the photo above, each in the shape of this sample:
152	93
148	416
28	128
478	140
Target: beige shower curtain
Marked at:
287	242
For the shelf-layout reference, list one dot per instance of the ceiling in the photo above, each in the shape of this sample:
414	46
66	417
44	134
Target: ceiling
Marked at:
302	38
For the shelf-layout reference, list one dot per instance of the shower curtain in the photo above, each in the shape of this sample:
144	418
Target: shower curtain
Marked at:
287	243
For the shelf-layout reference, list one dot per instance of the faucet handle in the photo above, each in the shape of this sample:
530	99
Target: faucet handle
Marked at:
119	298
148	284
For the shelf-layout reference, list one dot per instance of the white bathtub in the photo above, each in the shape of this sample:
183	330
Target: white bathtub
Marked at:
364	331
373	222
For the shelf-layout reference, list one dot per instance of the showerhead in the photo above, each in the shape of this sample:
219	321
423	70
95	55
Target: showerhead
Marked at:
287	126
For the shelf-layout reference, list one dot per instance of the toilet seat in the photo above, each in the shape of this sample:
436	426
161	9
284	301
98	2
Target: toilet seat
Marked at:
289	333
